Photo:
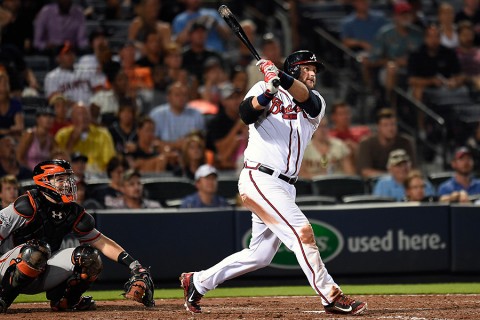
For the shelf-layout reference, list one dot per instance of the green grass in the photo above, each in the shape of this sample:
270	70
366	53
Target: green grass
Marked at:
436	288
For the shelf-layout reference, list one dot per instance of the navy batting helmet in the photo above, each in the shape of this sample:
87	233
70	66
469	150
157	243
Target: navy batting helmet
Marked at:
295	60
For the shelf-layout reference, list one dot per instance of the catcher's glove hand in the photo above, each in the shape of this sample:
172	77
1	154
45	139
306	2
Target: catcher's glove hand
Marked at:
140	286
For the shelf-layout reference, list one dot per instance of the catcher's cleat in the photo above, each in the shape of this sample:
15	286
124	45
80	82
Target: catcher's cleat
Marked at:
345	305
191	295
86	303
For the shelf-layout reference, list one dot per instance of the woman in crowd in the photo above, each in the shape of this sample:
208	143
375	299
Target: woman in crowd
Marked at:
37	143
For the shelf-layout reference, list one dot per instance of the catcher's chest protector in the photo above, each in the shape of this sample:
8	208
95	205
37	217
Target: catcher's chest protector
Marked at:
50	222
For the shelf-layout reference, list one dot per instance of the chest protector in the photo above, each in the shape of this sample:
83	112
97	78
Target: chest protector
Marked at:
46	221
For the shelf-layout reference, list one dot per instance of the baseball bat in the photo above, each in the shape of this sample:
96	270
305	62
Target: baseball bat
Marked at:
237	29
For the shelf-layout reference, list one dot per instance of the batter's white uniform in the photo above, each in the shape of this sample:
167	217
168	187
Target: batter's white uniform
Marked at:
277	140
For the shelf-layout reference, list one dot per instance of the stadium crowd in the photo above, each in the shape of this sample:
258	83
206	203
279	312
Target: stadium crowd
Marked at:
151	88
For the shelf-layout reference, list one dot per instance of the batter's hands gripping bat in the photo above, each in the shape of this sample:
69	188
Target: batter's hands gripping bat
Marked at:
232	22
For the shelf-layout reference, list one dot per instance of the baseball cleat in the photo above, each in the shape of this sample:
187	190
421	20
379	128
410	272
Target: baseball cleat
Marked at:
86	303
3	306
191	295
345	305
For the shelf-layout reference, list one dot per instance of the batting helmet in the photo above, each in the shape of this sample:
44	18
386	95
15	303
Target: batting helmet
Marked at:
55	179
295	60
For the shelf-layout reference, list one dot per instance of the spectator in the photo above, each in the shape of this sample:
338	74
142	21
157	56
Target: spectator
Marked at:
173	72
81	191
415	188
194	155
434	70
326	155
271	50
17	27
446	25
392	185
196	54
67	81
106	195
473	142
341	117
9	187
148	157
61	108
207	185
57	23
132	193
226	133
213	77
139	78
239	79
175	119
147	21
469	55
216	28
94	142
104	104
79	162
90	66
151	52
462	180
373	151
8	160
391	48
11	111
360	27
470	12
37	143
124	130
433	66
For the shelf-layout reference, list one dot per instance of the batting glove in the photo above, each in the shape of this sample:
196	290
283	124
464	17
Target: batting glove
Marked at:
270	72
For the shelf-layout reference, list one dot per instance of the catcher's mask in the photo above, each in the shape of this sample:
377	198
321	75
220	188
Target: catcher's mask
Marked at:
55	179
293	62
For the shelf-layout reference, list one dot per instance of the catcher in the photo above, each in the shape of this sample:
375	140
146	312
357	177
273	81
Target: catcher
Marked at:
31	232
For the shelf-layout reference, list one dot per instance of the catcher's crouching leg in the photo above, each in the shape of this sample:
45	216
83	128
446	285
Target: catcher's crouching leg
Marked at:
23	270
67	296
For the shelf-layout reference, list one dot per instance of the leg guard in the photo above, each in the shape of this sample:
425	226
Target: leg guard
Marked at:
23	270
68	295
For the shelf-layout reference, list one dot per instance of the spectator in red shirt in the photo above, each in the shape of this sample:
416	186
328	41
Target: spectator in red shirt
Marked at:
342	128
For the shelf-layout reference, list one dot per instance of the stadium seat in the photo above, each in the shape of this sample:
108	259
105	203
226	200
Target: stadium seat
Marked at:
162	189
315	200
366	198
438	178
228	186
338	185
304	187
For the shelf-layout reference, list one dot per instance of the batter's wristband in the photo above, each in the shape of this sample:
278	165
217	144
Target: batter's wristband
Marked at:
127	260
264	99
286	81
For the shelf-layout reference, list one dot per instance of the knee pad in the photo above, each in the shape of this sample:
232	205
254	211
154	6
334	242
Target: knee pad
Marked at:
33	258
87	261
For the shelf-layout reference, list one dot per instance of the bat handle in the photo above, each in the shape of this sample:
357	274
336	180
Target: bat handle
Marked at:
276	83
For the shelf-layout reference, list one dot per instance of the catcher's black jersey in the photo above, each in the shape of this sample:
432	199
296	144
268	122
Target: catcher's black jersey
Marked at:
32	216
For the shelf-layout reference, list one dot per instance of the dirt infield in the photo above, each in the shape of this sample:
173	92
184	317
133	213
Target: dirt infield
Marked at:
402	307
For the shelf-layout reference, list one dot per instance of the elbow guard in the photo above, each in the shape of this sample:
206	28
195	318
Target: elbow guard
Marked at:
248	113
312	106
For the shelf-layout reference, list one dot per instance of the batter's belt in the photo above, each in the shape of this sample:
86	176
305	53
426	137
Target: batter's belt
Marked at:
269	171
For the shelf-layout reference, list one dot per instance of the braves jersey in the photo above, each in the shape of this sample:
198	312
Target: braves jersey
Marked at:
32	216
279	137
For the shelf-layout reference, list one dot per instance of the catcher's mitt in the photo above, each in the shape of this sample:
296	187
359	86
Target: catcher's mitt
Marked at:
140	287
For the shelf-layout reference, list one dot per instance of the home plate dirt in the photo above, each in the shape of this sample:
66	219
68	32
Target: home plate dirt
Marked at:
398	307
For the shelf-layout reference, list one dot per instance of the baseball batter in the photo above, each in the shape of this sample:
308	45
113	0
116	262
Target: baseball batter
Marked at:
281	122
31	232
